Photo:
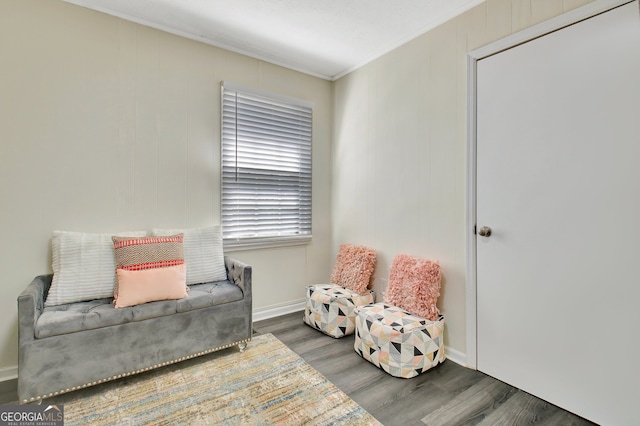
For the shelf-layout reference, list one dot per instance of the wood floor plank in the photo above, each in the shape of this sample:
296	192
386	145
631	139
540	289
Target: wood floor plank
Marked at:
447	394
408	407
565	418
472	405
523	408
453	378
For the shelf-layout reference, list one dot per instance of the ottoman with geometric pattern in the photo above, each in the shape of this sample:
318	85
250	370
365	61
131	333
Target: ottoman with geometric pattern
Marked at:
330	308
400	343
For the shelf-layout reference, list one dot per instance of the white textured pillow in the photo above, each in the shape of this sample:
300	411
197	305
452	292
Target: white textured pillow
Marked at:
203	253
84	266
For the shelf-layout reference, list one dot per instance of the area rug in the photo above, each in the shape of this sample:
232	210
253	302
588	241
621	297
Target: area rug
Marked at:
267	384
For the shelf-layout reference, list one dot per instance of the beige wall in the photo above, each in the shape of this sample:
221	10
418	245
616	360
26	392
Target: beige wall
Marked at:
399	148
108	125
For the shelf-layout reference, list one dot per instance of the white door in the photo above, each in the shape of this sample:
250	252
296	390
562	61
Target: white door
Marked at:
558	183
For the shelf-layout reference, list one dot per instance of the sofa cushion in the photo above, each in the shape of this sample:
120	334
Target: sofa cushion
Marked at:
210	294
80	316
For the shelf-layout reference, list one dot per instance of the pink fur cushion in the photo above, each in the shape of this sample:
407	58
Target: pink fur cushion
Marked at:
354	267
414	285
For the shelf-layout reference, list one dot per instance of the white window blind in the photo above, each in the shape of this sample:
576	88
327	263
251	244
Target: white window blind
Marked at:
266	168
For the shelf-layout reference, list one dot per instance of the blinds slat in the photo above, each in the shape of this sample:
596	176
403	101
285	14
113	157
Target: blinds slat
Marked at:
266	166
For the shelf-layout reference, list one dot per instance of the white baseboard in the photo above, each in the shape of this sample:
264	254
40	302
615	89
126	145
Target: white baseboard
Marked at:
264	314
456	356
8	373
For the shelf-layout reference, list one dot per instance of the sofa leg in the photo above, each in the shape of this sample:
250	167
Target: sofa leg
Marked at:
242	346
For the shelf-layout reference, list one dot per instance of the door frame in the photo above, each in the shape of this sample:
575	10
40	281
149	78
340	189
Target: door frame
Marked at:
561	21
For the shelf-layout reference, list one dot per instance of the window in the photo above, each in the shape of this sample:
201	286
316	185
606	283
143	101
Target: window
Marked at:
266	168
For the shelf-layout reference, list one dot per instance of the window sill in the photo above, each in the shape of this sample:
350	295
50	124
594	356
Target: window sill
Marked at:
231	245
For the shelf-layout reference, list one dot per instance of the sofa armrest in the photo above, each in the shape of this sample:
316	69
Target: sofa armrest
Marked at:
239	273
30	306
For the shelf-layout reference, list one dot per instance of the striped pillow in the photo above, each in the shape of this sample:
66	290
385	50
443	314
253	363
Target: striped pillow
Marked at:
137	254
84	266
202	252
148	269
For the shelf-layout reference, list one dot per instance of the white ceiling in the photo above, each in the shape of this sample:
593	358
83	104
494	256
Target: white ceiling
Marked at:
324	38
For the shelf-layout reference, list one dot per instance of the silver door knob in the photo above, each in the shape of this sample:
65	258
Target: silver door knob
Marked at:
485	231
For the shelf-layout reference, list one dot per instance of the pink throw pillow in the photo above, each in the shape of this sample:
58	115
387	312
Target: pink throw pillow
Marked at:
149	269
354	267
149	285
414	285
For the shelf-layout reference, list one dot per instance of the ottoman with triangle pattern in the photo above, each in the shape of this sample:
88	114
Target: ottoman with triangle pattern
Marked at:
330	308
402	344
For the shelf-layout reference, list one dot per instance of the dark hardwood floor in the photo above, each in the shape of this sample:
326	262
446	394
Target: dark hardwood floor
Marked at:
448	394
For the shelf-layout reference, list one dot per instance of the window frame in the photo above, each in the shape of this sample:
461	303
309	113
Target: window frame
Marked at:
257	242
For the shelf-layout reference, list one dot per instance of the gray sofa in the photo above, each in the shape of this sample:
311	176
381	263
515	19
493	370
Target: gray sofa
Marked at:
68	347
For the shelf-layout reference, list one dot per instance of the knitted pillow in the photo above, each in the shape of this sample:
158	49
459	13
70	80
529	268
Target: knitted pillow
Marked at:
414	285
354	267
149	269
